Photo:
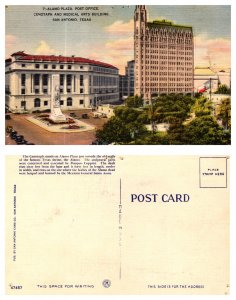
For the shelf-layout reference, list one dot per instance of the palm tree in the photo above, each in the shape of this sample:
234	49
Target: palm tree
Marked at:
153	111
225	113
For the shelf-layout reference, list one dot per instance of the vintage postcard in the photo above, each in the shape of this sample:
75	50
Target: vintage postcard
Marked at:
118	75
105	224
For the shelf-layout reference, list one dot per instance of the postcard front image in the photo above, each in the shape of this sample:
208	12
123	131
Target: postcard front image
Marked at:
118	75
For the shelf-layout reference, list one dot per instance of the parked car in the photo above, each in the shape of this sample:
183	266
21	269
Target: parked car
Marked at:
73	115
9	129
21	142
7	117
15	137
85	116
19	138
13	134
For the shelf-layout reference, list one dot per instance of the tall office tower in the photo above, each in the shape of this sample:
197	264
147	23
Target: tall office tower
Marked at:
126	82
129	71
164	56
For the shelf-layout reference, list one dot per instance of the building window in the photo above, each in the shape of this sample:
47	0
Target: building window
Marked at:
69	67
45	79
23	79
69	102
61	79
61	67
61	102
68	79
53	66
7	90
61	90
36	66
45	91
68	90
45	103
81	80
81	67
36	91
36	79
22	91
37	102
23	65
81	102
81	91
23	104
45	66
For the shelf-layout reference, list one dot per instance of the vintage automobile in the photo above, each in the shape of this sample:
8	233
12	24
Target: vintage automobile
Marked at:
9	129
13	134
19	138
85	116
73	115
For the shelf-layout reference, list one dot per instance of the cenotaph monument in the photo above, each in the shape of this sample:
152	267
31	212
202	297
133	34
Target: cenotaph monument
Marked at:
56	114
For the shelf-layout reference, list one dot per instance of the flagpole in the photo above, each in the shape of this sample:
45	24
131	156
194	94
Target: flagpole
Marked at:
210	88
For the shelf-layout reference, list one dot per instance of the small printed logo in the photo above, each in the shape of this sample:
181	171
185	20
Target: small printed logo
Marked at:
106	283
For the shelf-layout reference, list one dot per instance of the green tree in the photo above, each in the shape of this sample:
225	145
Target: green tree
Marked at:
134	101
159	138
152	115
223	89
202	107
175	132
204	130
190	123
172	107
225	113
124	128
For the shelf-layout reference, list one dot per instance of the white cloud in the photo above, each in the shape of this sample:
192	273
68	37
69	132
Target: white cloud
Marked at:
44	49
120	45
121	28
116	53
212	51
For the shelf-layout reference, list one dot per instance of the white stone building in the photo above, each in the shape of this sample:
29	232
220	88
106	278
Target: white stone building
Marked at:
83	82
225	77
205	76
164	56
105	109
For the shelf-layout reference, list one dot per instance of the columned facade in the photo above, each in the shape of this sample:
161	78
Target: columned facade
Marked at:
83	83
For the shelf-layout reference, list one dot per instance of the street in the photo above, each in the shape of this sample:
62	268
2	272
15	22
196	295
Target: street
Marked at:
39	136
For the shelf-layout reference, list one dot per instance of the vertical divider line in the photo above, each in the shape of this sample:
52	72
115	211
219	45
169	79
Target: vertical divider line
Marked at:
120	229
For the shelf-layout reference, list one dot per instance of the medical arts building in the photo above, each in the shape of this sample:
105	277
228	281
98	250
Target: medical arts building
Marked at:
83	82
164	56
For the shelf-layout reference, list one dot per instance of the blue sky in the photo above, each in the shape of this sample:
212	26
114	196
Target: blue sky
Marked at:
110	38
